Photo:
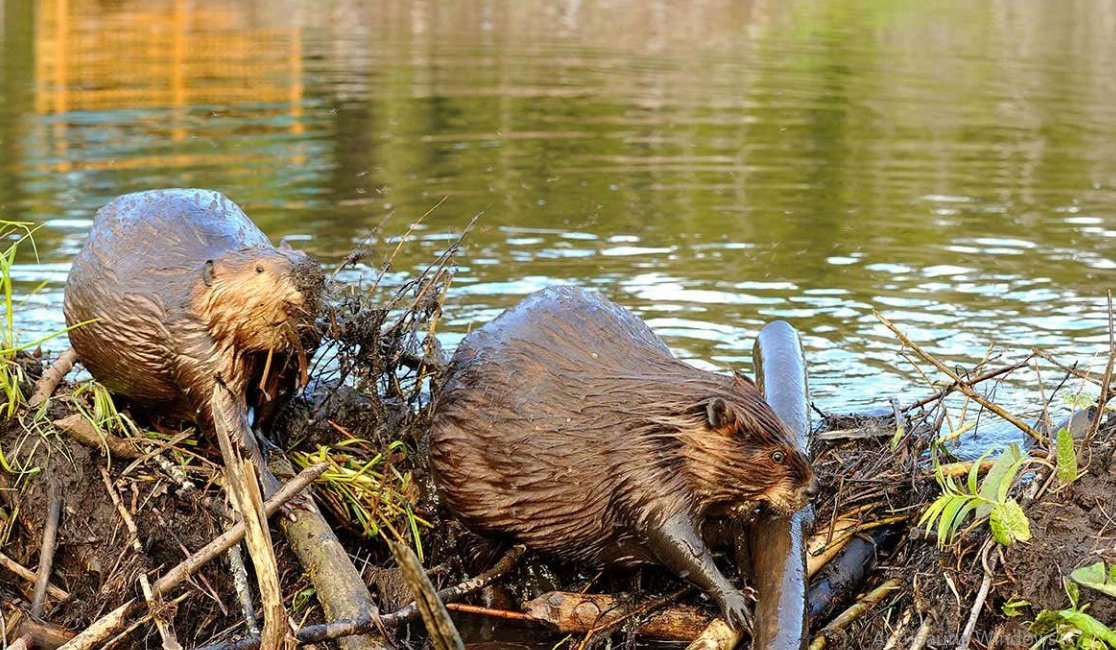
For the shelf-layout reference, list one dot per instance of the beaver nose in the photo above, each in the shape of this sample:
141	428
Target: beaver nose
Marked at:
814	488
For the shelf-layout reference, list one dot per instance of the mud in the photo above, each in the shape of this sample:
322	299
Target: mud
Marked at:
1072	526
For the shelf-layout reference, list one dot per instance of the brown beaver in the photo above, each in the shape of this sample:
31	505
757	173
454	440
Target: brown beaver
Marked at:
176	291
567	425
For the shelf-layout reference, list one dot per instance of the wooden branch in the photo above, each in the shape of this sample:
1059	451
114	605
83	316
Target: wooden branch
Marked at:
337	584
28	575
46	550
984	376
844	576
43	635
962	385
962	468
373	621
230	423
441	631
52	376
982	595
596	614
717	636
94	636
459	591
777	544
1106	383
78	428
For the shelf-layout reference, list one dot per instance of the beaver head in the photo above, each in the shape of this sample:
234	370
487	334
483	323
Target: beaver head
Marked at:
262	299
738	454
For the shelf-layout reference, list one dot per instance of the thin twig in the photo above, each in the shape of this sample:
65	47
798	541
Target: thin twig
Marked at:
505	614
962	385
46	551
1080	374
863	605
505	564
982	594
337	629
1107	381
226	540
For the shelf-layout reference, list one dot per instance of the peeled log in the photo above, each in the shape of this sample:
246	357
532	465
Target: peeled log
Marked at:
574	613
778	544
337	583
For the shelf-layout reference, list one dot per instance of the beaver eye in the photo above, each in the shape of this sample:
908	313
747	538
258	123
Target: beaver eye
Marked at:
259	268
777	456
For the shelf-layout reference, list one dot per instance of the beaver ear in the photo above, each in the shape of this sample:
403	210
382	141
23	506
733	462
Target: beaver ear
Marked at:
207	273
742	380
719	414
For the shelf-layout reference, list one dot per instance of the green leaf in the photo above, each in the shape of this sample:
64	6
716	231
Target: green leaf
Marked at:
1009	523
1089	626
951	519
1072	592
900	429
996	477
1080	401
974	472
1095	576
1046	622
1014	607
1067	457
934	510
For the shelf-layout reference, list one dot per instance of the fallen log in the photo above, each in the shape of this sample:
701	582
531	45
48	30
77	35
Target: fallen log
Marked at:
843	576
778	545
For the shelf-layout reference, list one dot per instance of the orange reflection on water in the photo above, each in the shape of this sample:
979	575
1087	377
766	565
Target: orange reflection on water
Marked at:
170	54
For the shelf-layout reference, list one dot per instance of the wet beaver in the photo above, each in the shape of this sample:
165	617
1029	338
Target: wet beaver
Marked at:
178	292
566	424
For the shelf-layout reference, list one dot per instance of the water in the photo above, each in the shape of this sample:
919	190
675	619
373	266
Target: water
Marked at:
713	165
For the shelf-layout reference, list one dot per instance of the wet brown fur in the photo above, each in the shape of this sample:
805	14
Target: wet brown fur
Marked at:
567	425
178	290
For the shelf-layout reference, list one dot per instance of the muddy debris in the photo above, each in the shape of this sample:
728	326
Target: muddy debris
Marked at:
363	417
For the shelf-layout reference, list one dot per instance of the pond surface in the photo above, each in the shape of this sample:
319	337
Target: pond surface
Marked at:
712	165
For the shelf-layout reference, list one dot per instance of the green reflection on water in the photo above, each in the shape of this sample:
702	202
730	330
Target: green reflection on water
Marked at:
713	165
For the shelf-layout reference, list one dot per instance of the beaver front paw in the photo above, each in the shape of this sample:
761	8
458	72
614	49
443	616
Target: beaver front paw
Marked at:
736	609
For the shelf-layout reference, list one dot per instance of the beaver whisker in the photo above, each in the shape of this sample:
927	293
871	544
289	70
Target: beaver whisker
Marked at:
295	341
266	370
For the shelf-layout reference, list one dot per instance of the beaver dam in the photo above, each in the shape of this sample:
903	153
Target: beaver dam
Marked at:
116	527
